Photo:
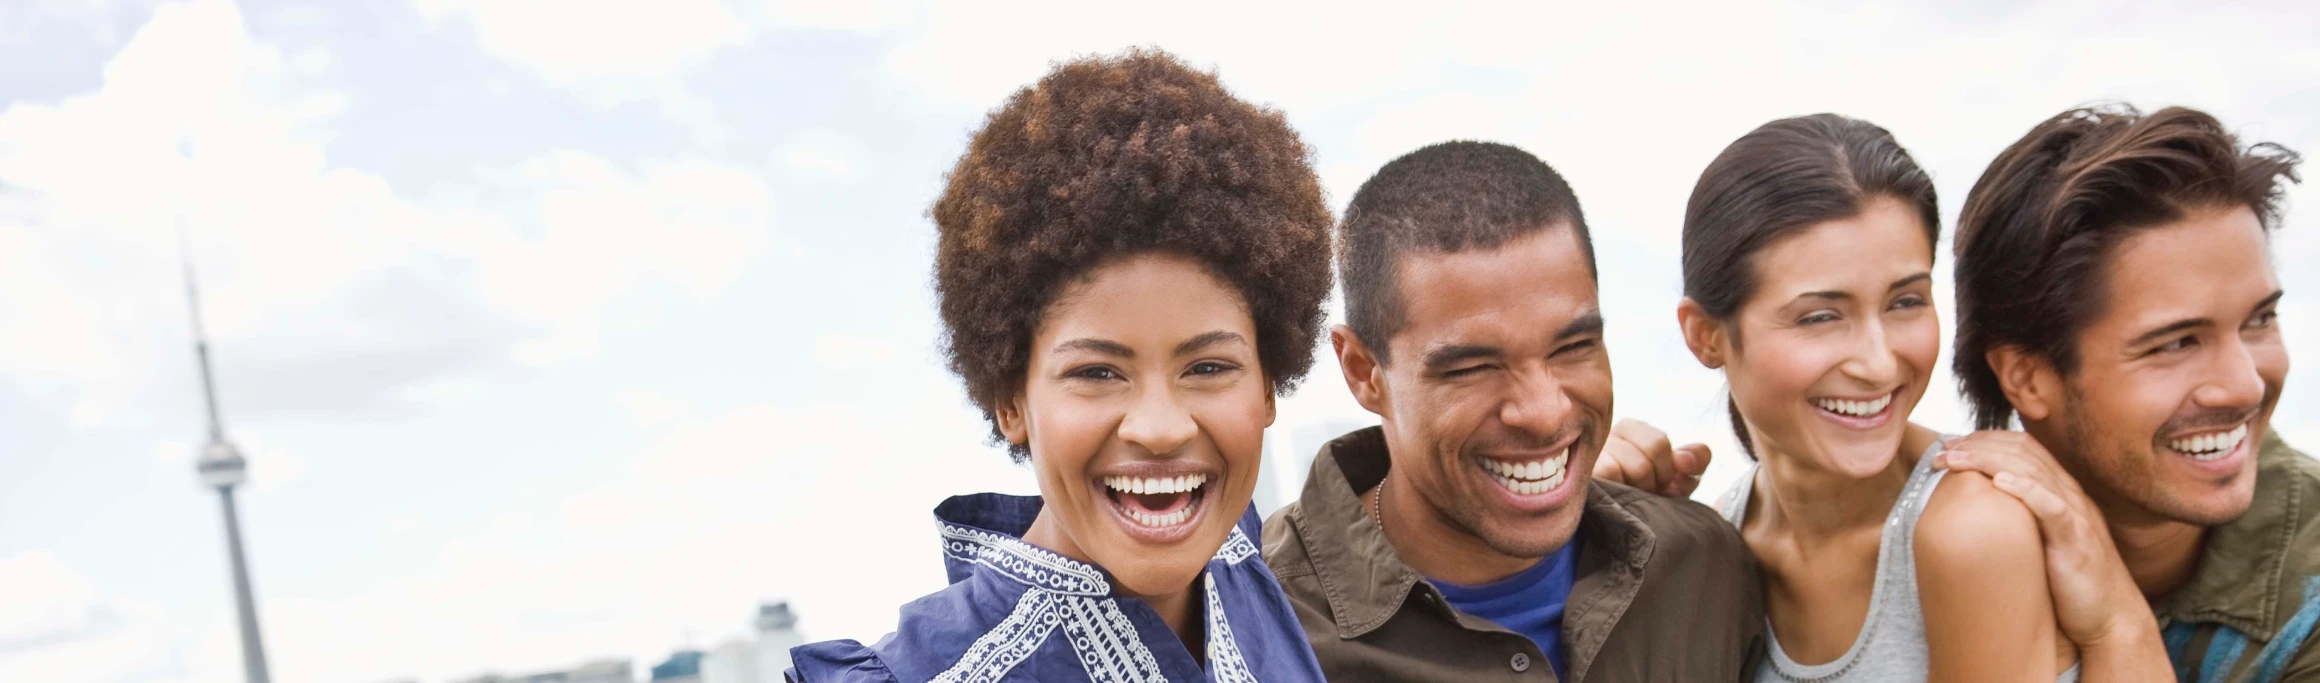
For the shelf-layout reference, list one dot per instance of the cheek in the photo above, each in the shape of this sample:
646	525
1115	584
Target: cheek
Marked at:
2271	361
1235	422
1918	343
1782	371
1066	431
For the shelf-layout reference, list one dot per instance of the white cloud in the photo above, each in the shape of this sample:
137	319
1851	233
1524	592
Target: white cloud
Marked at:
646	408
197	125
821	154
583	43
57	626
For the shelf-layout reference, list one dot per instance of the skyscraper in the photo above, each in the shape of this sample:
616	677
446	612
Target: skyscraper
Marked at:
221	467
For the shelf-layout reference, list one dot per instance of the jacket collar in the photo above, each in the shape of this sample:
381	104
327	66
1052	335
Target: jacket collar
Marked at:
1366	580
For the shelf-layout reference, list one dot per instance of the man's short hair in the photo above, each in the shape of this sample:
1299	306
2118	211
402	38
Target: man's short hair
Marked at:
1444	198
2036	228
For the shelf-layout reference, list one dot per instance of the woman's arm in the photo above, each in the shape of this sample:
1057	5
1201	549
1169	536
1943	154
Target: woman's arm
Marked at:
2096	601
1981	582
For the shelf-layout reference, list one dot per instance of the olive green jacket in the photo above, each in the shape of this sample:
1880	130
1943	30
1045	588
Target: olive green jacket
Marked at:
1666	590
2248	615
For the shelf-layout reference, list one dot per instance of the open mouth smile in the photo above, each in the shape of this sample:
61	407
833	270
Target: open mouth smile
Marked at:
1529	477
1858	413
1157	509
2210	446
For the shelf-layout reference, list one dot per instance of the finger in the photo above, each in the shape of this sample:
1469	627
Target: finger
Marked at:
1692	459
1613	466
2055	518
1683	486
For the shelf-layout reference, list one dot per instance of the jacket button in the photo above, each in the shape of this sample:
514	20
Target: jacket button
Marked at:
1521	662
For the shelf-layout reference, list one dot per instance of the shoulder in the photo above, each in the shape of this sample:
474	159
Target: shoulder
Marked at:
837	661
1970	526
1680	525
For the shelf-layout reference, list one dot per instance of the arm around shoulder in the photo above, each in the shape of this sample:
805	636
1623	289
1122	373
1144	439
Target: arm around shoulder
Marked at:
1981	580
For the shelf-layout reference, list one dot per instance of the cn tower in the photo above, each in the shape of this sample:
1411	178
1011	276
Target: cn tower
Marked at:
222	467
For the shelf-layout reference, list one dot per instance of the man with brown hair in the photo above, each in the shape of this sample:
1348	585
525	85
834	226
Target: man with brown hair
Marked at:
2116	292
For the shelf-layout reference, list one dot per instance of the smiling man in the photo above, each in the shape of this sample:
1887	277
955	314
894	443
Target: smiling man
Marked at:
1464	539
2116	292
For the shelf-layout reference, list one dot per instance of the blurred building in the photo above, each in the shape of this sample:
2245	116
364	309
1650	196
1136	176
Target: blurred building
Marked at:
599	671
760	659
684	666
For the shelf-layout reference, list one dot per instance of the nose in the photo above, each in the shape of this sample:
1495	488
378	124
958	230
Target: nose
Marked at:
1158	422
1538	404
1873	362
2235	382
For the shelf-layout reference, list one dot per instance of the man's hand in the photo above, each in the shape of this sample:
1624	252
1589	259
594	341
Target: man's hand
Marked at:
1639	455
2095	600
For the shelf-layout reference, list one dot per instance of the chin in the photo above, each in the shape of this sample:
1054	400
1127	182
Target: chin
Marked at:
1863	460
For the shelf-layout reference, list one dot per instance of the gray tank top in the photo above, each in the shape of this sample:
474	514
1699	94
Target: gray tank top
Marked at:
1891	645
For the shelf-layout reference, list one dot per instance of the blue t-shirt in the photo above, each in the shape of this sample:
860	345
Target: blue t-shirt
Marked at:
1529	603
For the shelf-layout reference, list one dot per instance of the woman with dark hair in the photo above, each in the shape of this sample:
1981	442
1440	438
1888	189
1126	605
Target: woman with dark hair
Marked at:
1808	250
1130	268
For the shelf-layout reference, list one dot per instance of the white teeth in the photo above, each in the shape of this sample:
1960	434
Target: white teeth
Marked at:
1155	485
1515	474
2210	446
1531	487
1161	521
1854	408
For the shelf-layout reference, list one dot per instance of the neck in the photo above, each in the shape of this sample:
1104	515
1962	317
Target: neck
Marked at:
1818	504
1177	608
1437	547
2161	554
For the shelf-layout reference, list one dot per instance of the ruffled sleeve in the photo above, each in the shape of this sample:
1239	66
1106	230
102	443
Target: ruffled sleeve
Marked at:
837	661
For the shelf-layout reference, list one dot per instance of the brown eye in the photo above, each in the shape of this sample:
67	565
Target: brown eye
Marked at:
1095	372
1208	367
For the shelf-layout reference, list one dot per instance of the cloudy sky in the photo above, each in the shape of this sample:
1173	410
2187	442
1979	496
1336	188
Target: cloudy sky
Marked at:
564	330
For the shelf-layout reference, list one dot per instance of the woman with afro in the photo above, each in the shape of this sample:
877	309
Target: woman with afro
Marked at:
1131	267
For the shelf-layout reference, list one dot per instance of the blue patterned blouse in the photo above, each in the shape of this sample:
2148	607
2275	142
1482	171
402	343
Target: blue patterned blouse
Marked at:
1016	612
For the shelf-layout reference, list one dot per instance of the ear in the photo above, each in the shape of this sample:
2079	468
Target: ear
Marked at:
1364	375
1012	420
1272	408
1703	334
2029	379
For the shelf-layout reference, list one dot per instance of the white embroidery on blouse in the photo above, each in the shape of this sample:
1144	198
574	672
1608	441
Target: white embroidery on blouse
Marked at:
1035	616
1023	562
1224	654
1107	643
1236	548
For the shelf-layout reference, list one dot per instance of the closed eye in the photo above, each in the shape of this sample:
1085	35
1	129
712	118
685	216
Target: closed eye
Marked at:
1818	318
2183	343
1467	371
1576	347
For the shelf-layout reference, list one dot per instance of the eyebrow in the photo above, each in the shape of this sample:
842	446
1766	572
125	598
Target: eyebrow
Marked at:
2188	324
1102	346
2171	329
1590	322
1835	294
1209	339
